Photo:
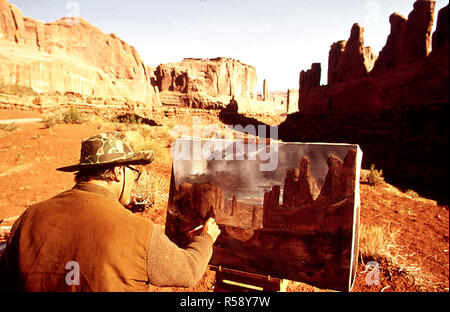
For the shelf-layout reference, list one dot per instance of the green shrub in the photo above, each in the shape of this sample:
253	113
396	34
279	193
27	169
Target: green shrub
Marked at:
69	116
375	176
73	116
128	119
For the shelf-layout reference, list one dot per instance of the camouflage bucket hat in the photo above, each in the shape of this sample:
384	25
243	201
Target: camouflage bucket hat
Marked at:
109	148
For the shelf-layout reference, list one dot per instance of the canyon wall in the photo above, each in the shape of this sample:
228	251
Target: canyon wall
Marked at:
49	66
405	74
395	111
71	56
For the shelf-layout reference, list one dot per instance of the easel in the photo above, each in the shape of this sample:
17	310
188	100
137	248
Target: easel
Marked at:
228	280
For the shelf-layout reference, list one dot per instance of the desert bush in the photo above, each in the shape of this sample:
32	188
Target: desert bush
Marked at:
17	90
152	188
73	116
51	120
373	176
10	127
128	119
69	116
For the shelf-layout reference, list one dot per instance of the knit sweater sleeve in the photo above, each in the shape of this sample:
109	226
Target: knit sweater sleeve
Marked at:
169	265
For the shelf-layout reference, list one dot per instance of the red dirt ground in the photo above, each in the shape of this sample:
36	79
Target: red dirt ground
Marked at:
418	260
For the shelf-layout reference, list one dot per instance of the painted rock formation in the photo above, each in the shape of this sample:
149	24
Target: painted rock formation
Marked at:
70	55
206	198
304	202
299	186
340	180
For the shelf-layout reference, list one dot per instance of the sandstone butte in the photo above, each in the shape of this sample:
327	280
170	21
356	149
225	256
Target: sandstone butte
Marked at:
73	57
208	84
406	73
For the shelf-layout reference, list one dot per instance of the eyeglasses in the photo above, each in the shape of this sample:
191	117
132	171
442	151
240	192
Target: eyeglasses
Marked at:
135	170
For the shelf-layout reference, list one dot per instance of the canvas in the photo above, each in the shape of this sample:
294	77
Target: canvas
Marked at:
288	210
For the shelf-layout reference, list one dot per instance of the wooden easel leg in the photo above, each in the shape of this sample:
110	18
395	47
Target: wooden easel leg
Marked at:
237	281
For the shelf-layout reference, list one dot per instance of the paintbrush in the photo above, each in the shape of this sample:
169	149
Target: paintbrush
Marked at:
193	230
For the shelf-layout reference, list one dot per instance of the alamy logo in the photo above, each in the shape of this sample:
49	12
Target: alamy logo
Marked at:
220	150
73	277
373	277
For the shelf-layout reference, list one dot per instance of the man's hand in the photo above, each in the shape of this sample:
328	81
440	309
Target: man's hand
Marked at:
211	228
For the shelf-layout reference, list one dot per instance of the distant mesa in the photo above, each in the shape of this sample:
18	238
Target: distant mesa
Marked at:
205	83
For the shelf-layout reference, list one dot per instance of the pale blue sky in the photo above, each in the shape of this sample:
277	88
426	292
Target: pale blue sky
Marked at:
280	38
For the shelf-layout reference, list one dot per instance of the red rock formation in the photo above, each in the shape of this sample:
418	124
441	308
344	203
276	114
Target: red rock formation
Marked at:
390	55
71	55
309	84
405	75
349	170
441	35
354	61
311	77
416	39
334	56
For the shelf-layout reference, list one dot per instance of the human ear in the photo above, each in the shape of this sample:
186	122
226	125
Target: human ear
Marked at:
118	173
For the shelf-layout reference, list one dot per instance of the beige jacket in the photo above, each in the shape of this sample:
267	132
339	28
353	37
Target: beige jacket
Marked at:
85	232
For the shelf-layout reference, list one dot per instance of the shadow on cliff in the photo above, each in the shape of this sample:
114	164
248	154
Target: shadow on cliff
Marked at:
230	116
410	145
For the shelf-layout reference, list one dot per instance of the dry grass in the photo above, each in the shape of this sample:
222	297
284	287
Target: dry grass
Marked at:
71	115
379	242
141	141
9	127
153	190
